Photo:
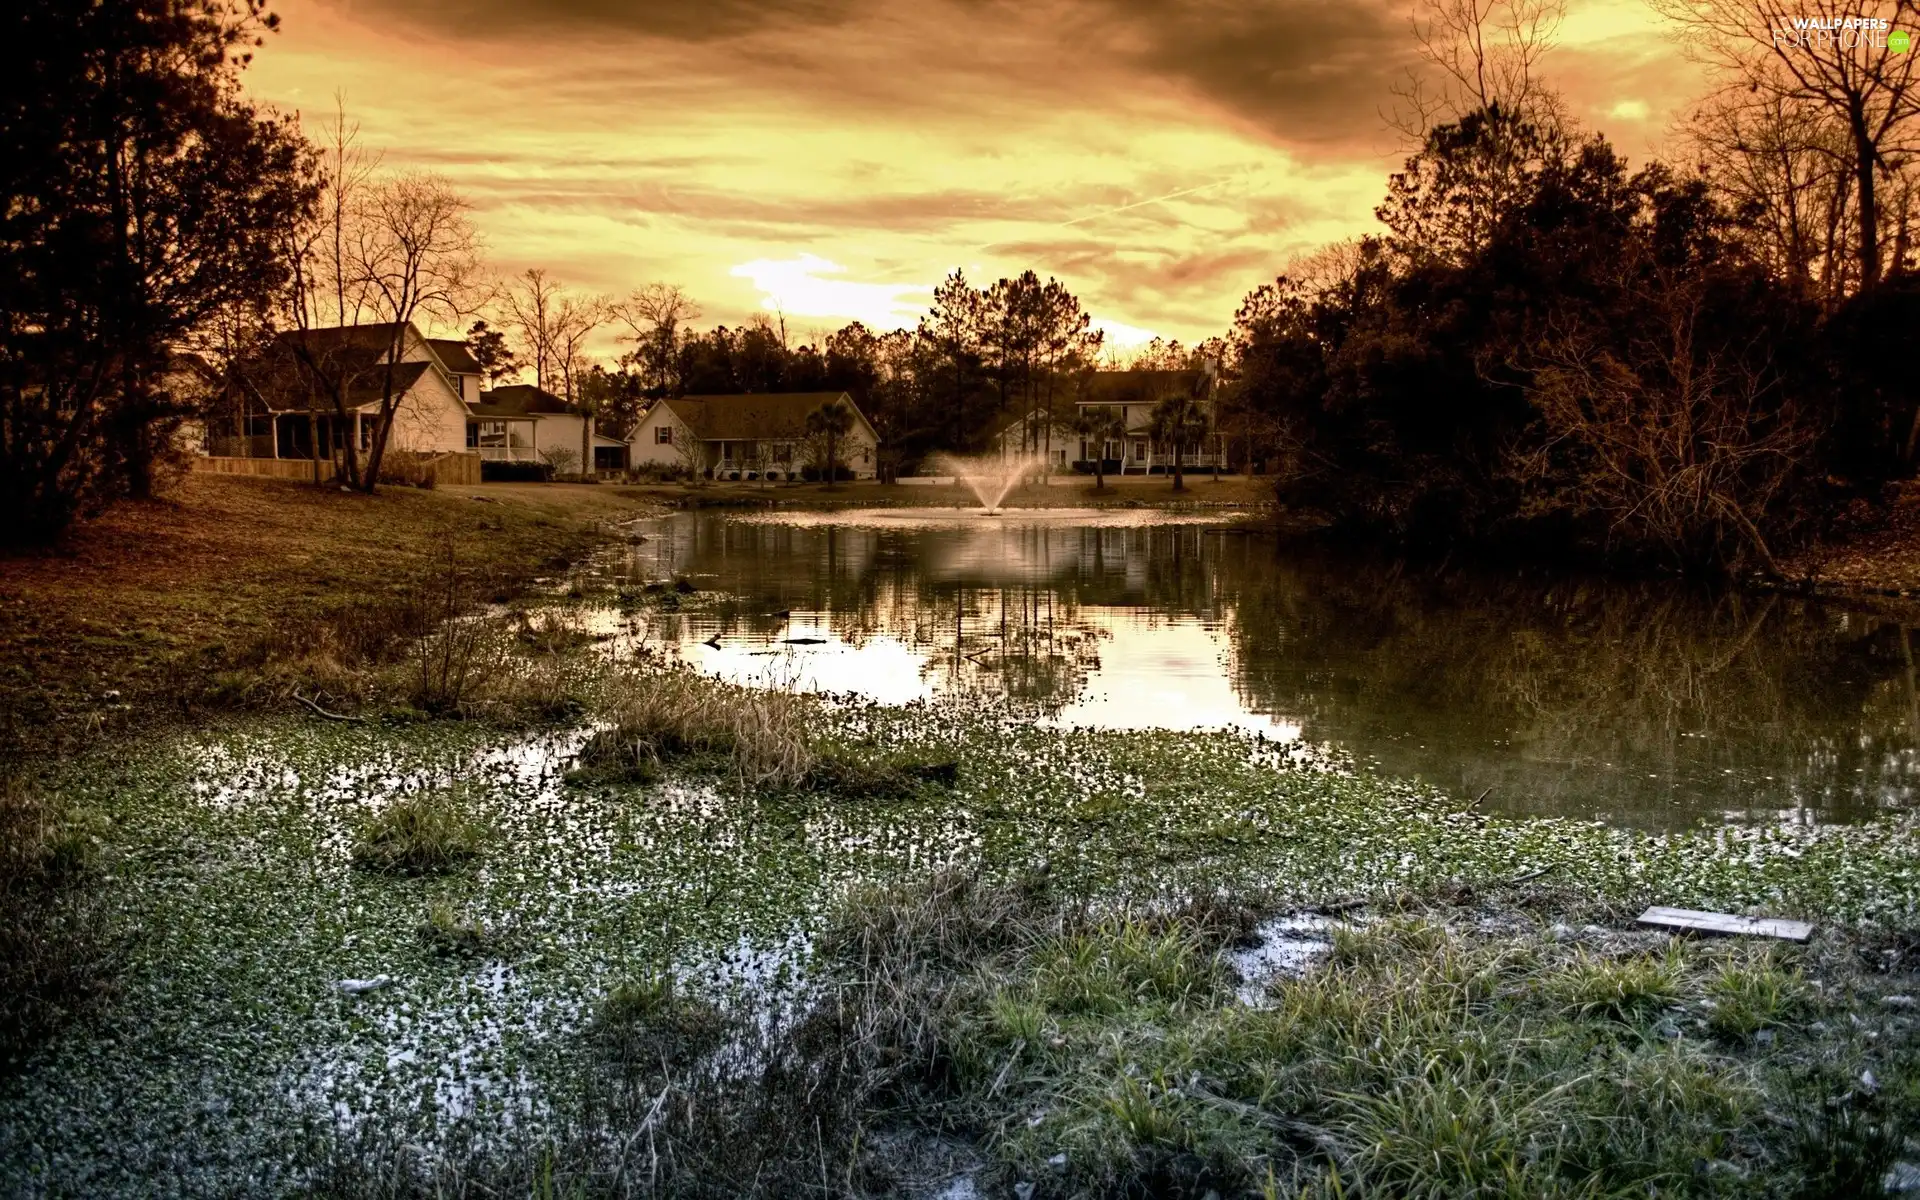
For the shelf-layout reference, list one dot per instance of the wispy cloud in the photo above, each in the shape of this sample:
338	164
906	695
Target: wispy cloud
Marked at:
831	157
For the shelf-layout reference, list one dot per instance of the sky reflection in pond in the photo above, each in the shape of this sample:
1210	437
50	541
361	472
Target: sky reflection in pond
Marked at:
1641	703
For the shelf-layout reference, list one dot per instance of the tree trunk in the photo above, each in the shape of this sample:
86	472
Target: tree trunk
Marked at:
1865	156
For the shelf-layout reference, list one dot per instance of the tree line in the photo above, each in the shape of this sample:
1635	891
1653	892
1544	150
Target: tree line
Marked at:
1019	345
1549	352
1694	364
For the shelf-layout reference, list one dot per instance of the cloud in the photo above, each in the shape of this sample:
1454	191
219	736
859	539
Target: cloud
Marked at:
795	287
685	20
825	157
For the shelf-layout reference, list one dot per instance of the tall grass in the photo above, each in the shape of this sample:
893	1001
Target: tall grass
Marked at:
759	734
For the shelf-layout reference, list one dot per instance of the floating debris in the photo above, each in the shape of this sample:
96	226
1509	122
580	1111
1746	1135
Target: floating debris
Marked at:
1687	920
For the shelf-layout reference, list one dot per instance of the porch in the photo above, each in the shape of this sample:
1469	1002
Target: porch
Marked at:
504	438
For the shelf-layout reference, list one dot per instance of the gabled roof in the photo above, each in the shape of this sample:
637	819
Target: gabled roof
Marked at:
281	380
1038	416
1136	387
519	400
455	356
756	416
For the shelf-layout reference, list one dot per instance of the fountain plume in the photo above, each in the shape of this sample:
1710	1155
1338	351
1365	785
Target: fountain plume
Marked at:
989	476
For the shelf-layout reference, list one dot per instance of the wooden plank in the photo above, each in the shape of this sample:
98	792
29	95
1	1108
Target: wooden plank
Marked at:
1687	920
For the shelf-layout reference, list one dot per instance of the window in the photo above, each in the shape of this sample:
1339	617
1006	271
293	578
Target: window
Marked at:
783	453
663	436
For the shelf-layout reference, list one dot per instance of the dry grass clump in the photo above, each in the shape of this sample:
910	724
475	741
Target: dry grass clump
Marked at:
54	953
880	779
450	931
759	734
424	833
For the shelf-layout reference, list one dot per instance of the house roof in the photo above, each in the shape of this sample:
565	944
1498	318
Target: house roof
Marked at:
520	400
1136	387
278	381
758	416
455	356
1037	416
282	375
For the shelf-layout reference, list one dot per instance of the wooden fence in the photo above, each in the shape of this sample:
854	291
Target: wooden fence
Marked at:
453	470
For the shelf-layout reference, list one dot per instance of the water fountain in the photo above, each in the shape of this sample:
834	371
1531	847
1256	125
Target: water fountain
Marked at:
989	476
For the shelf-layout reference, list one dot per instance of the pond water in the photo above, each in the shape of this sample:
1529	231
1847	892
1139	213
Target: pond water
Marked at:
1645	704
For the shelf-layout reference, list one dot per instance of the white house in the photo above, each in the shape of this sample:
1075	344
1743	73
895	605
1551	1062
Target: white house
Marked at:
754	436
1016	435
283	402
523	423
1132	397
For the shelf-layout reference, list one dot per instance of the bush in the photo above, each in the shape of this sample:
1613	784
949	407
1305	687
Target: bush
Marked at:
515	472
407	468
813	474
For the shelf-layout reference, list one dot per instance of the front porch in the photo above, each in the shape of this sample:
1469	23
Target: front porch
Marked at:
504	439
291	435
1139	455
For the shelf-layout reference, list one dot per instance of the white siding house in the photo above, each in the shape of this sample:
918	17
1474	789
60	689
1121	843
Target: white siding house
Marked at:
753	436
285	398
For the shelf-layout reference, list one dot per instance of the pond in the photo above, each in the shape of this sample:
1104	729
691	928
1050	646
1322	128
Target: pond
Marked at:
1649	704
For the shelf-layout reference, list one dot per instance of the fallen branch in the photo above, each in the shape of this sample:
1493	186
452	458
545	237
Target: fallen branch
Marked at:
1334	908
1529	876
331	716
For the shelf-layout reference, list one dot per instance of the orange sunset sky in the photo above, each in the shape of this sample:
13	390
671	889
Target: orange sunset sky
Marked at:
836	158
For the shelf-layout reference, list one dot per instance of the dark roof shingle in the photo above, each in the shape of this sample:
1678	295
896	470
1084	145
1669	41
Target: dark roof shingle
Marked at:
756	416
520	400
455	356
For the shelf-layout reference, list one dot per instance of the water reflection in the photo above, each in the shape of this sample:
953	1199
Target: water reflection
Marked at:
1648	704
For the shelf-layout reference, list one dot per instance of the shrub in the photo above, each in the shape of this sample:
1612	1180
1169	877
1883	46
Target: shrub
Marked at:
422	834
515	472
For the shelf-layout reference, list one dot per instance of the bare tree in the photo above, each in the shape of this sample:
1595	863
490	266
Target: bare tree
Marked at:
654	316
1850	76
1478	53
418	256
575	319
328	289
1681	442
1787	175
529	304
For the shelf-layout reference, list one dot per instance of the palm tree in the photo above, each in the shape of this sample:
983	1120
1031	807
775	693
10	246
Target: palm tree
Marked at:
1177	423
831	422
1099	426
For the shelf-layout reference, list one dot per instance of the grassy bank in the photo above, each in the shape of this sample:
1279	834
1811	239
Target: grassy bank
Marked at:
126	622
644	933
706	978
